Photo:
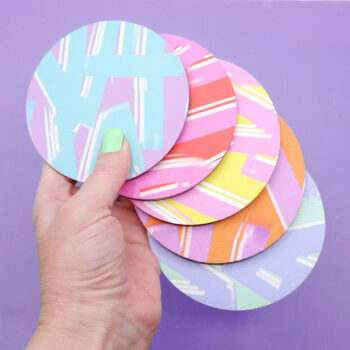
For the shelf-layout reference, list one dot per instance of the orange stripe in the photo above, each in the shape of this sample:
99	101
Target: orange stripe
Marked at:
290	146
260	212
151	221
184	245
239	240
156	186
221	241
179	230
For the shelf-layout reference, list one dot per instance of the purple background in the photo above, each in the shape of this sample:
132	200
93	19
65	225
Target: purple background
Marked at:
300	52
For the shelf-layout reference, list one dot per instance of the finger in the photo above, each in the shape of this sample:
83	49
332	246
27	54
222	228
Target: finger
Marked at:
53	190
134	230
54	186
110	172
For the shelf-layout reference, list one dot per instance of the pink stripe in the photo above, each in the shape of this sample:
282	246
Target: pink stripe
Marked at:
88	37
79	145
200	243
285	188
37	126
256	241
201	126
164	234
56	50
262	171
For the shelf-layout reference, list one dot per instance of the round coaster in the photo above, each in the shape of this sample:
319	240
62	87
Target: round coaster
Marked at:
264	278
251	230
106	75
243	172
207	132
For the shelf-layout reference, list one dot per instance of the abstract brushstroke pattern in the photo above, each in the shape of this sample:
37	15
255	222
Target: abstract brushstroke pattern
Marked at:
264	278
244	170
107	75
207	132
251	230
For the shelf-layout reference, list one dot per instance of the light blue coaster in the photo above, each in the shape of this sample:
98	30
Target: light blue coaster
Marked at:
105	75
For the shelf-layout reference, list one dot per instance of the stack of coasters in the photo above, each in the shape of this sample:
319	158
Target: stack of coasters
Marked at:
217	177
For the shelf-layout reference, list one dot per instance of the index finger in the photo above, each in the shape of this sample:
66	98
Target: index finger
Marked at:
54	186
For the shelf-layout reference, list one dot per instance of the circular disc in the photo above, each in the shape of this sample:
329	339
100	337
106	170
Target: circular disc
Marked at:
251	230
106	75
262	279
243	172
207	132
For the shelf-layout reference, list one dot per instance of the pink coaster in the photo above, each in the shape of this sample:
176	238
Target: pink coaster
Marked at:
243	172
207	132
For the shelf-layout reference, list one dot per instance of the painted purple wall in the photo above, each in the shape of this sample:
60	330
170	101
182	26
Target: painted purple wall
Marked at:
300	52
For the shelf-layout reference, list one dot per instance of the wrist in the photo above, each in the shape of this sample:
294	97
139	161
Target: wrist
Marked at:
54	338
82	326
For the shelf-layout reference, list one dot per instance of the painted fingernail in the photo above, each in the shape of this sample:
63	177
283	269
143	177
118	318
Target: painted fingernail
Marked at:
113	141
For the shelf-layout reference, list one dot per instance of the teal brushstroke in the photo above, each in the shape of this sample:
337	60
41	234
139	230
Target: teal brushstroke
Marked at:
30	109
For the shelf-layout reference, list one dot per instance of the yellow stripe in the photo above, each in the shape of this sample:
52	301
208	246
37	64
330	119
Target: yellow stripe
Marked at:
259	89
228	176
173	211
248	92
242	120
193	214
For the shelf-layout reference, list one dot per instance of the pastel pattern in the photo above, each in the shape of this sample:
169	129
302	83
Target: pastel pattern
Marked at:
252	229
244	170
262	279
207	132
110	74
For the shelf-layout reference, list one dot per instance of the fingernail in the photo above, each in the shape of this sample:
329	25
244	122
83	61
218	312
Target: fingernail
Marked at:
113	141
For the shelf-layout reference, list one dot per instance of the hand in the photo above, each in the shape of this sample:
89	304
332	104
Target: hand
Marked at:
99	279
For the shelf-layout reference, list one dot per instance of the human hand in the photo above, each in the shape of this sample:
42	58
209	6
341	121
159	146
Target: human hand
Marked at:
99	279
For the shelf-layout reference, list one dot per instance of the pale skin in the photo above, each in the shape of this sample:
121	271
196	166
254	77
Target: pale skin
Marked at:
99	280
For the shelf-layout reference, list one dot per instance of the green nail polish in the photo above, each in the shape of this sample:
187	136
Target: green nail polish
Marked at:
112	141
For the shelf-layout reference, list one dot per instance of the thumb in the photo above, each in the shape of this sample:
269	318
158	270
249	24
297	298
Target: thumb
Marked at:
110	172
